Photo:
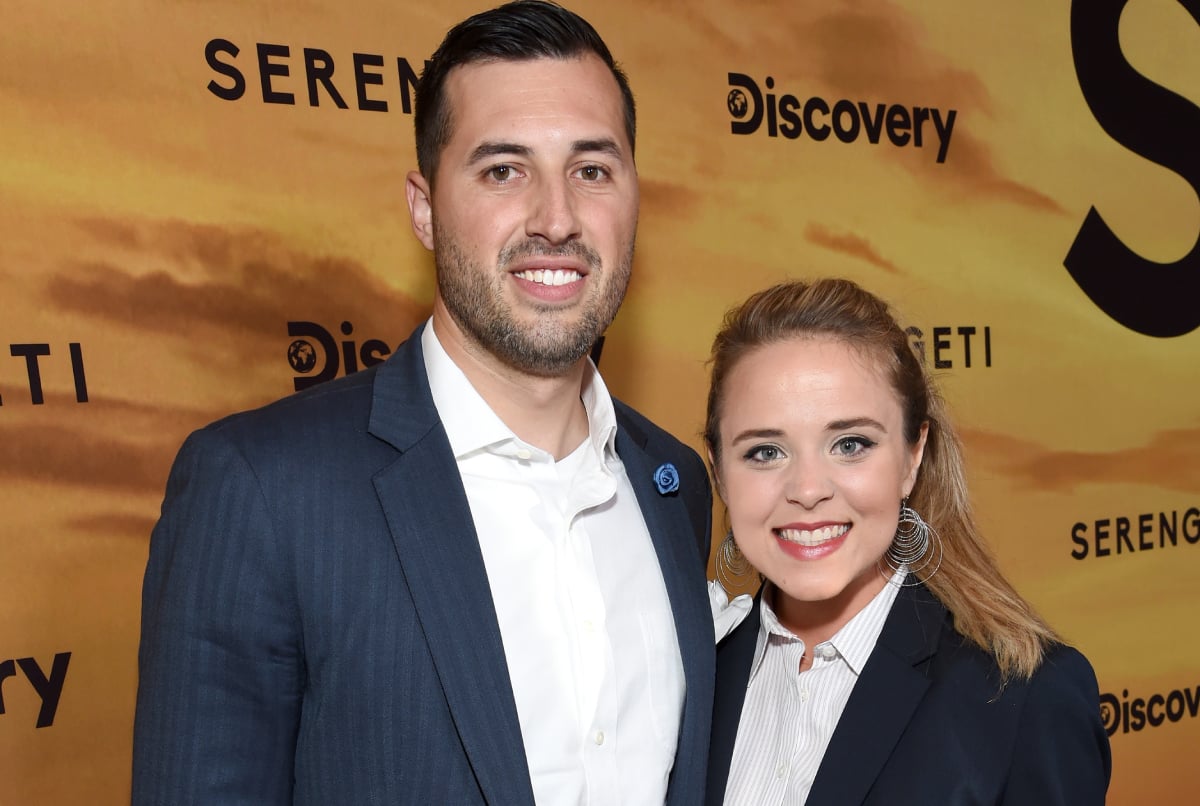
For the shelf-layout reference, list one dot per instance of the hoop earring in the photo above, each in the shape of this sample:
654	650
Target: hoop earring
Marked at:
731	565
915	546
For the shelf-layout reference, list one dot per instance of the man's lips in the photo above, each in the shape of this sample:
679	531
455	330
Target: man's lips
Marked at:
550	277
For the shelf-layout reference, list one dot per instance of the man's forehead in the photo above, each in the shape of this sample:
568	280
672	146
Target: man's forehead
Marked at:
585	71
546	62
504	91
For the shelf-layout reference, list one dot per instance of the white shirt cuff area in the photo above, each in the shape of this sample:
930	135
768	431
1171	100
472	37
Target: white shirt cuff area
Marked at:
727	613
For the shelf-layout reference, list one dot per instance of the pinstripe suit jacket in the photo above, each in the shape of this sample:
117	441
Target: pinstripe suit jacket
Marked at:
317	626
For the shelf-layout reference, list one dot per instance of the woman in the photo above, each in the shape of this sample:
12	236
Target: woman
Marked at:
886	660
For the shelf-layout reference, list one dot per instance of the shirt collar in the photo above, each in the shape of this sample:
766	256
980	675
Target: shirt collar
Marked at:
854	642
472	426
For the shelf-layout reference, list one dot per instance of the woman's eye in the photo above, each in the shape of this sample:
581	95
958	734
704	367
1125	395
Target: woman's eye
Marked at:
851	446
764	453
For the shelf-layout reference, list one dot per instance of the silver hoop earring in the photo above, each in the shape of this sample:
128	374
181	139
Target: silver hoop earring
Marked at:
915	546
731	565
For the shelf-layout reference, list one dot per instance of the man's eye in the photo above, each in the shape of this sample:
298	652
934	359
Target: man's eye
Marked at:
500	173
592	173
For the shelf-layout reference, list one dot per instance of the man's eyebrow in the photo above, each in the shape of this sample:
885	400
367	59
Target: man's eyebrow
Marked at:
604	146
495	149
490	149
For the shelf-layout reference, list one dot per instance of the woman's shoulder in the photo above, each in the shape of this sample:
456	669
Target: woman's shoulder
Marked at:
1065	676
1065	683
1065	665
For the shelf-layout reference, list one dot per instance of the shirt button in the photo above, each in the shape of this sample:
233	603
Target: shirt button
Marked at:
804	695
599	737
524	455
781	770
827	651
589	626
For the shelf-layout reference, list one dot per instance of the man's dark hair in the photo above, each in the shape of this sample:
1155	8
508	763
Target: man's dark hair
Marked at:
517	31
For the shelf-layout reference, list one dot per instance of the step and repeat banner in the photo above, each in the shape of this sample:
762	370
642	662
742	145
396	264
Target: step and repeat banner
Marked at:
202	209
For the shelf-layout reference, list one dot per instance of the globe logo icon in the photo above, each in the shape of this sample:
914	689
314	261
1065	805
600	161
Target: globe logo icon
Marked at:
302	356
737	103
1108	714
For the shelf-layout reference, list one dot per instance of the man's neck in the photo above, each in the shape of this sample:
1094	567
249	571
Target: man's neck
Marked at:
545	412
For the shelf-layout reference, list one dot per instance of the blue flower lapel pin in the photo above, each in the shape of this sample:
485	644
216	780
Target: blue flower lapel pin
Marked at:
666	479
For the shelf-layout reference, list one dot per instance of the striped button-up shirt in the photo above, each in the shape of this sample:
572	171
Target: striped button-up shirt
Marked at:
789	715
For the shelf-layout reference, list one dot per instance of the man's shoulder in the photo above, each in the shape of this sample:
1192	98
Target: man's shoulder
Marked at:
319	433
342	402
341	405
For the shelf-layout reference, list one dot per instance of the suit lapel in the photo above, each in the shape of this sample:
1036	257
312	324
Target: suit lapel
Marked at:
887	693
426	508
735	656
683	570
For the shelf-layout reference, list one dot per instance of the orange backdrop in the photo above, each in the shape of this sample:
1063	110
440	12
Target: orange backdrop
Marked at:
201	202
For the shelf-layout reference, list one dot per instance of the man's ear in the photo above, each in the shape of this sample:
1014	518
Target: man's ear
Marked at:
420	207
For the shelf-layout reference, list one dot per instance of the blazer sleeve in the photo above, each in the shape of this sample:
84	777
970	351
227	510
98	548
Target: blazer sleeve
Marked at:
220	670
1062	754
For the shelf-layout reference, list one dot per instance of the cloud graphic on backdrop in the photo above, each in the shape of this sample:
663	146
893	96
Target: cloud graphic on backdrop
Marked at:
1034	467
978	175
668	198
66	455
120	448
879	49
182	279
136	526
847	243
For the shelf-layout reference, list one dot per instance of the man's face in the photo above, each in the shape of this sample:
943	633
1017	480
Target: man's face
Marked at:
533	210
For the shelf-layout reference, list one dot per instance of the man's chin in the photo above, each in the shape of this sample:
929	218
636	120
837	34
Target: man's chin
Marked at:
546	356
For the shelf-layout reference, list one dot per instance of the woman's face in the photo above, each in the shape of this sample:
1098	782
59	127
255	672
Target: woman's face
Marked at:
813	469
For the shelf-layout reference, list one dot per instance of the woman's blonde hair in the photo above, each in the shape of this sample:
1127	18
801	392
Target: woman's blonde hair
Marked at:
986	608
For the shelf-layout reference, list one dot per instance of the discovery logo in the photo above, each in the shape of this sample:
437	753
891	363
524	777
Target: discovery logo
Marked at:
1140	713
848	121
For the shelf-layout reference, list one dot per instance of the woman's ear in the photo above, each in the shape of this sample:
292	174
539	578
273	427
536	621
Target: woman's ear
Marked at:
917	454
716	474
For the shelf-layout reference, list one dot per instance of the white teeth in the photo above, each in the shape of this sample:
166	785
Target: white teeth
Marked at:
814	538
550	276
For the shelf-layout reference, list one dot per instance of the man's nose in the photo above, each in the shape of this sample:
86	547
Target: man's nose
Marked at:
553	213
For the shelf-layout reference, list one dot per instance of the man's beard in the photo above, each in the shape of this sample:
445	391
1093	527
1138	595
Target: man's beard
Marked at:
547	347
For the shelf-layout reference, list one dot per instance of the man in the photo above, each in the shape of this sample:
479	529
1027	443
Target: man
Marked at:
467	575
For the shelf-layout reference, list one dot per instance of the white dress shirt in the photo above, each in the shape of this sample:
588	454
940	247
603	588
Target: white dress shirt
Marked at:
727	613
589	636
789	716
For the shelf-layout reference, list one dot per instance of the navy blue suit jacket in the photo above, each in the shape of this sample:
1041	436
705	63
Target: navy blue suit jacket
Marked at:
317	625
927	723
